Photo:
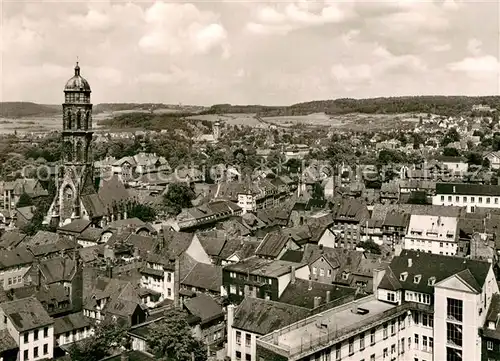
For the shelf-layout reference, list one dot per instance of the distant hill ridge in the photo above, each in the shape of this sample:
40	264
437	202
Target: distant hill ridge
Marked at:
448	105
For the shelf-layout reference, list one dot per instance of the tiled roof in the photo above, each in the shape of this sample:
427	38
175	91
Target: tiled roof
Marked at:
132	356
11	239
429	265
204	306
272	244
293	256
94	205
41	238
380	211
264	316
212	242
205	276
298	293
17	257
68	323
26	314
176	242
58	269
6	341
77	226
467	189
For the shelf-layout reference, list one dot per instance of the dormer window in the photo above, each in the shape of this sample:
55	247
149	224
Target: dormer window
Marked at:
345	275
403	276
431	281
417	279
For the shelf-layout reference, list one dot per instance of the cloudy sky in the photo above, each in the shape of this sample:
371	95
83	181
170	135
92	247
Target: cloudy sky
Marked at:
247	52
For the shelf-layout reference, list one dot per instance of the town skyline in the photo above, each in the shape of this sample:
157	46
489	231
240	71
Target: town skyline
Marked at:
241	53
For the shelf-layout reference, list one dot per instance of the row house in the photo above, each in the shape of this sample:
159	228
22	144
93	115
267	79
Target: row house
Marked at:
348	217
206	215
471	196
14	265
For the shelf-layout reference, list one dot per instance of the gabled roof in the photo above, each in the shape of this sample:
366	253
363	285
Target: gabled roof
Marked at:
429	265
71	322
26	314
212	242
176	242
204	276
19	256
11	239
58	269
261	316
205	307
263	267
272	244
77	226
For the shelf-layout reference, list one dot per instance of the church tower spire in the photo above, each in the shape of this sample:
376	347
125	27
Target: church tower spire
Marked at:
76	176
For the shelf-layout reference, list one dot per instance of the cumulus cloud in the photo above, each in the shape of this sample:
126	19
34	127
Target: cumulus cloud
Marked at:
175	28
93	20
283	19
477	65
474	46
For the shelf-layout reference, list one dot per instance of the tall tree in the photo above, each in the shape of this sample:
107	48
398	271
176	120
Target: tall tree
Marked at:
107	339
178	196
172	339
143	212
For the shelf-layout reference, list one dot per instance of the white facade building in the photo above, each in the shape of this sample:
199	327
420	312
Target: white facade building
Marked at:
433	234
471	196
30	326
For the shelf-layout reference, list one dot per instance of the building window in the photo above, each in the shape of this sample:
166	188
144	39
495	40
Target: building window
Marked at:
232	289
385	331
362	341
46	349
472	199
338	348
453	354
449	198
351	346
442	198
391	297
248	357
315	270
372	337
489	345
372	357
454	334
26	337
403	345
431	344
238	355
248	340
386	352
238	337
393	328
329	273
393	349
35	352
169	292
35	335
169	277
455	309
424	343
26	355
416	341
321	272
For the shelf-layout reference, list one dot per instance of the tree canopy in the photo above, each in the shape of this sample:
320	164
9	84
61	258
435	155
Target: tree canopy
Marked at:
178	196
144	212
24	201
172	339
108	338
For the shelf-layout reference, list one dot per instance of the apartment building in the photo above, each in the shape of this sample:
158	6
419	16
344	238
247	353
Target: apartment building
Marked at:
471	196
433	234
424	307
260	278
157	276
30	326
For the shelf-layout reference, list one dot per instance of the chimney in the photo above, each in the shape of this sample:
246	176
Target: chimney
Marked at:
321	248
229	331
410	262
317	302
177	283
310	284
124	356
292	275
328	297
354	307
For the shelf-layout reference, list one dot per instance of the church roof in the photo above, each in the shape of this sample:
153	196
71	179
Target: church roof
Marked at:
77	82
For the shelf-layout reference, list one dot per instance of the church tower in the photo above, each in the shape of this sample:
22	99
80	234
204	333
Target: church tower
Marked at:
75	179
